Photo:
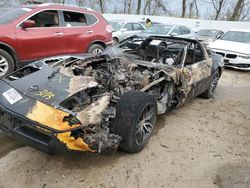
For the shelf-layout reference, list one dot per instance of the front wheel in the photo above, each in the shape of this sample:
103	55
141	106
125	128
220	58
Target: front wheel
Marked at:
6	63
96	49
116	41
209	93
135	119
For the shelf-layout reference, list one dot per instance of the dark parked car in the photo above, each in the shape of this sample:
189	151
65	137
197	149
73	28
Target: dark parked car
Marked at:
100	102
207	36
33	32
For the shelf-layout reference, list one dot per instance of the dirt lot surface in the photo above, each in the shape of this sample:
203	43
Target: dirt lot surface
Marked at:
205	143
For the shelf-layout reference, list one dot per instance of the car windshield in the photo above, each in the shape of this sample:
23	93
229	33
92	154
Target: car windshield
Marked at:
158	29
237	36
210	33
8	15
116	25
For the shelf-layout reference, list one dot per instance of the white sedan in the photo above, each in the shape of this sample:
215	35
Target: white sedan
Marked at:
123	30
234	46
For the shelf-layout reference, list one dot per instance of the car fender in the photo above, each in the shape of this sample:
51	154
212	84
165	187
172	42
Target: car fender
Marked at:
98	42
10	50
217	62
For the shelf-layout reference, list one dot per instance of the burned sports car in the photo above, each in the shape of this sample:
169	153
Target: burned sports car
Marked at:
98	103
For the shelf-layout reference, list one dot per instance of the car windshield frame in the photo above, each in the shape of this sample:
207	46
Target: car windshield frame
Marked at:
237	36
9	15
116	25
158	29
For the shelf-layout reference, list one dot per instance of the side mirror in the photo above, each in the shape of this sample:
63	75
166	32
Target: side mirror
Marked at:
28	24
218	36
173	34
124	30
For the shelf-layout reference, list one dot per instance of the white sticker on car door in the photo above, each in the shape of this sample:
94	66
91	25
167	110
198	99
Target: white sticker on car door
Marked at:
12	96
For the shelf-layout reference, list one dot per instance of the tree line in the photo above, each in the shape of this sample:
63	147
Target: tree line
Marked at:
232	10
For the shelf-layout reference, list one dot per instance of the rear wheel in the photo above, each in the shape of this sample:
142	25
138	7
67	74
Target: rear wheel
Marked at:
213	85
116	41
135	120
96	49
6	63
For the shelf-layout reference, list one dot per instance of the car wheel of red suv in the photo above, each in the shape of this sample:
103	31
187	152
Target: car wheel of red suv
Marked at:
6	63
95	49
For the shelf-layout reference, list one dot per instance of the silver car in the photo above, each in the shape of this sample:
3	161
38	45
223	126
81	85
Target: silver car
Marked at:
207	36
123	30
168	30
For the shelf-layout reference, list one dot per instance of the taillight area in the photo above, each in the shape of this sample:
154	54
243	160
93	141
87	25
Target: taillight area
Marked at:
109	28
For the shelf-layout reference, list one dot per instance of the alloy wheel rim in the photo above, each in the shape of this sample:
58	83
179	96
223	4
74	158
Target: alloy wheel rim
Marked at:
3	66
214	82
97	51
145	125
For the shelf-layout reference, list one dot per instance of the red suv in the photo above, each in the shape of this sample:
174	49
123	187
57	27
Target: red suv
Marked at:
34	32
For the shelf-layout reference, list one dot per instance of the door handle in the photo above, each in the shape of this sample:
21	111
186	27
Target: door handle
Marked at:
90	32
58	34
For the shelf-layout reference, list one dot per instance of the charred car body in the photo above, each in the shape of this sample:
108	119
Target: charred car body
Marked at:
99	102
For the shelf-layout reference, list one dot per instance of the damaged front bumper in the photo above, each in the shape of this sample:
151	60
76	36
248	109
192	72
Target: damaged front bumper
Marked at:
48	129
46	139
29	133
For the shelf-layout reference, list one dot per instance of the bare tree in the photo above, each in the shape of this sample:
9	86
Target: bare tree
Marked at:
218	4
245	15
196	9
101	4
146	6
237	10
193	9
191	6
183	8
129	2
138	10
159	6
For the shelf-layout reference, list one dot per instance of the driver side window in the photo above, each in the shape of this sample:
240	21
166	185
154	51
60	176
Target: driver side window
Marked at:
129	27
48	18
194	54
176	30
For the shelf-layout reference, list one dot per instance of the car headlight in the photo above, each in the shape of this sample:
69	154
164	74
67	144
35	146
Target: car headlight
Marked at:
244	57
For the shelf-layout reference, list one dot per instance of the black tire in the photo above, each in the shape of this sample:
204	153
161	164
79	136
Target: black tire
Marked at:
209	93
116	41
96	48
132	107
10	62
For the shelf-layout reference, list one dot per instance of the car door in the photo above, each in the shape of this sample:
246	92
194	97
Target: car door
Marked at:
137	28
126	31
77	33
175	31
43	40
197	70
186	32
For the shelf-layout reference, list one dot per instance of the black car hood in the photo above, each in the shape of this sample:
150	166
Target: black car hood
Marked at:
51	85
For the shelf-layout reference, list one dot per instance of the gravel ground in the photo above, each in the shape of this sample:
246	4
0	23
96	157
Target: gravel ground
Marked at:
205	143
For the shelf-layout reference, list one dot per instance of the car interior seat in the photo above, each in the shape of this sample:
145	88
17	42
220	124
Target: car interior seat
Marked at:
189	59
152	52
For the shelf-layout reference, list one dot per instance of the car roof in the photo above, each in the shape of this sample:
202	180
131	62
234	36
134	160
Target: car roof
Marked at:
209	30
171	25
241	30
122	21
57	6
